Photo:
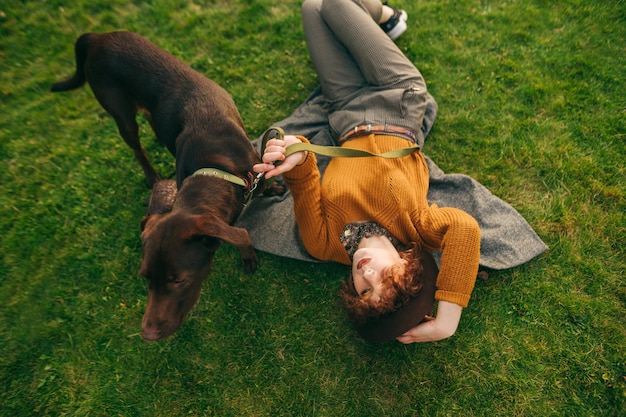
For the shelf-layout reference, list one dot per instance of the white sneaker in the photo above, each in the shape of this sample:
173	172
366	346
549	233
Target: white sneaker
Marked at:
396	25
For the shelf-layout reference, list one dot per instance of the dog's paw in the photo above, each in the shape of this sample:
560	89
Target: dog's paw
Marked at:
249	260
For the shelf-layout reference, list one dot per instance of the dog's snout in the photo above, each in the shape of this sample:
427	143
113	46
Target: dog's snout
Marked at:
152	326
151	334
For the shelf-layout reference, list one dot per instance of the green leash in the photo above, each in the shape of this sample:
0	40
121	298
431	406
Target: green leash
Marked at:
339	152
332	151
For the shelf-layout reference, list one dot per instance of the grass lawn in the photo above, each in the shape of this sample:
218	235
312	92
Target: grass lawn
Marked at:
532	104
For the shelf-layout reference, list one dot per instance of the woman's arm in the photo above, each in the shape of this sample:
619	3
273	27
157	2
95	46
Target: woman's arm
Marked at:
302	176
457	235
441	327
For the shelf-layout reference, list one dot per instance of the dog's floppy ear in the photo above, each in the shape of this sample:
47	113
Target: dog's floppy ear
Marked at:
216	227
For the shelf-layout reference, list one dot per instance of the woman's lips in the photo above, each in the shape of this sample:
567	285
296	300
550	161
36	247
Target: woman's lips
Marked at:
362	263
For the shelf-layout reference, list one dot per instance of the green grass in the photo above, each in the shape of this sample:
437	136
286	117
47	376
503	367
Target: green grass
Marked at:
532	105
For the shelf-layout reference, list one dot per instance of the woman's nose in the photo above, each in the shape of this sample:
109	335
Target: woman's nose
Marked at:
369	273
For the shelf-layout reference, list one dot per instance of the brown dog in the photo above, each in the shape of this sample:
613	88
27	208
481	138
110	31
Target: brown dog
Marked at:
198	122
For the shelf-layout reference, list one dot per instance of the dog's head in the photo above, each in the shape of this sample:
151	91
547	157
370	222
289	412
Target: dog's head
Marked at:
178	251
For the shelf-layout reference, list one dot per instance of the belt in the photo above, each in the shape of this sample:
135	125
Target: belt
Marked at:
367	129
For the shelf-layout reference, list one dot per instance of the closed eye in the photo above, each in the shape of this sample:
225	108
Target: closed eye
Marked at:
176	280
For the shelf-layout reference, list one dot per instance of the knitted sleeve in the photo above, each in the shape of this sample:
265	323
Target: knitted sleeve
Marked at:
457	235
304	183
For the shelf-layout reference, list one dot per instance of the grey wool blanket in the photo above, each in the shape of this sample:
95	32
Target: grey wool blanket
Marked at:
507	240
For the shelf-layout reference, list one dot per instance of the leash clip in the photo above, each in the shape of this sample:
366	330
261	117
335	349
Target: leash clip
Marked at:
272	132
249	195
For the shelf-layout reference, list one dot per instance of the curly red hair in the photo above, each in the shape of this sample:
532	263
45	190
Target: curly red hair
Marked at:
398	284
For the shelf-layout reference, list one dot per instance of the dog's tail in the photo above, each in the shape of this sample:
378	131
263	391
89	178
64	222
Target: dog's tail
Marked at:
78	79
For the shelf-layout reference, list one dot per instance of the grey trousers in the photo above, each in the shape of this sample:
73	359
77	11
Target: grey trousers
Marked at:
364	76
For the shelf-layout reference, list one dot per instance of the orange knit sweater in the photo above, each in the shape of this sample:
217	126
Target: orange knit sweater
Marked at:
391	192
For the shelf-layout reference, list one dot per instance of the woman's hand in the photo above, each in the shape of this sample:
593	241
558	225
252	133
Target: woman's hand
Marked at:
275	151
441	327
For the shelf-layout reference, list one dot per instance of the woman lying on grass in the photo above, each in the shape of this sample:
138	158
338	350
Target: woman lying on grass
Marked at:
372	212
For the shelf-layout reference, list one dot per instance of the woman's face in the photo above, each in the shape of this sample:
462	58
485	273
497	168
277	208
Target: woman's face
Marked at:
369	266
